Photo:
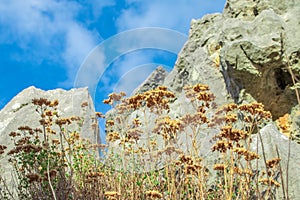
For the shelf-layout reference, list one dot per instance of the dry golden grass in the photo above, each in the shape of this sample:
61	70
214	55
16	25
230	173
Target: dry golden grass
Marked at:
62	165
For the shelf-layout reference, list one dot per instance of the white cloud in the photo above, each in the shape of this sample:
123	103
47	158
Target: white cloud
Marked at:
98	5
79	42
89	71
25	21
166	14
122	66
48	30
130	80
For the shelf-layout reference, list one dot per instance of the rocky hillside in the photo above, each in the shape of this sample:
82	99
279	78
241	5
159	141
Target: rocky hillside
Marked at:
248	53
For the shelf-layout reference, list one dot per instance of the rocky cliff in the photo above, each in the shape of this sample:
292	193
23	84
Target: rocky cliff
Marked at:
244	52
248	53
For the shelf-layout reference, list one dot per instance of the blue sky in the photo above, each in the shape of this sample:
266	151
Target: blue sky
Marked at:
45	43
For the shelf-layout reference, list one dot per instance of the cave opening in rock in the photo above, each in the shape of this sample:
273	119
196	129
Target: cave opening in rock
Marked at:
283	78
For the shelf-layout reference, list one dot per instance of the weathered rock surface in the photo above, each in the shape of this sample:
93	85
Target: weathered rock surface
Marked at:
294	122
155	79
21	112
243	55
272	139
244	52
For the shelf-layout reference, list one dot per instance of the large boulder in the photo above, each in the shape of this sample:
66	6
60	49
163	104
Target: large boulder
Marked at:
21	112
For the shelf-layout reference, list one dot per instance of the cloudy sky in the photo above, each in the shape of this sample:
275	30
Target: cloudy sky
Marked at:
56	43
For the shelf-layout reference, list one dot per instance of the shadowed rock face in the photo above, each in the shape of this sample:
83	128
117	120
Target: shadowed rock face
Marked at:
257	50
21	112
244	52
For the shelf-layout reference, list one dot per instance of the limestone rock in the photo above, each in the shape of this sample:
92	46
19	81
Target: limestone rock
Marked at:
244	52
249	9
155	79
272	139
255	56
294	123
21	112
243	55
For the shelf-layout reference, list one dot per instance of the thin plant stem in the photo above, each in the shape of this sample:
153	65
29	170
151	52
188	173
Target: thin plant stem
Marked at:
281	175
257	187
294	83
49	179
264	156
287	170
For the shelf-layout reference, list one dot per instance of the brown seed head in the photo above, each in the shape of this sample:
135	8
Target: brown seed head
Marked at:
154	194
219	167
41	102
33	177
222	146
269	181
273	162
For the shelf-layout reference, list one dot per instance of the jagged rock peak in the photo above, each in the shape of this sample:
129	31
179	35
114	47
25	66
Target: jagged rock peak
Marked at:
20	111
26	95
155	79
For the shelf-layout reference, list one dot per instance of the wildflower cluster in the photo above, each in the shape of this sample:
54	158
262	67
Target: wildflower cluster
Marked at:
46	159
234	144
284	124
129	132
167	127
154	194
156	100
143	158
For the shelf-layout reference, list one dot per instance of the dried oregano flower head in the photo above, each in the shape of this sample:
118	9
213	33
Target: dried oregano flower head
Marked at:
199	92
114	97
41	102
256	110
273	162
2	148
222	146
154	194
